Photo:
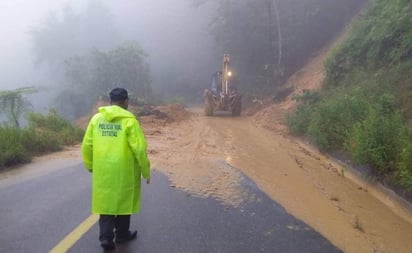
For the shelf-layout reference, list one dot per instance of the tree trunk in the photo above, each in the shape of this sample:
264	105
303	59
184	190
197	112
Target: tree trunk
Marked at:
14	114
273	10
275	4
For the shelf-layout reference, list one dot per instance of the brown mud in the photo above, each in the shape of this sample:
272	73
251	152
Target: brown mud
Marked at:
305	182
198	152
355	215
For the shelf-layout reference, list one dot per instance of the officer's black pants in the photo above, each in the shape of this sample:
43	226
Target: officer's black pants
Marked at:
108	223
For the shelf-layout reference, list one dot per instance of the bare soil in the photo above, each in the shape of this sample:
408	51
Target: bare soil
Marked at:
197	154
349	212
353	214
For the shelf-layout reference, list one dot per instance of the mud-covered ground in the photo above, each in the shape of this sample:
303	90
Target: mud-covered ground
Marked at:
189	148
352	214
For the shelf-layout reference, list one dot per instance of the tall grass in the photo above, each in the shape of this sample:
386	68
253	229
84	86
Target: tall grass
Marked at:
367	122
44	133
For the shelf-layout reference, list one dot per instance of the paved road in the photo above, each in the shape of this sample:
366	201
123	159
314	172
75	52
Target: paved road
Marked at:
38	212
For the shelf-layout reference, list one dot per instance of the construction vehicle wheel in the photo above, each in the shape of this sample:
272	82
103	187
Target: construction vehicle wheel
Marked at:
237	109
208	106
208	110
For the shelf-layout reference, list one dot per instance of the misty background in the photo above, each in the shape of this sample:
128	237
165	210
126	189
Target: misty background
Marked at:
75	51
173	35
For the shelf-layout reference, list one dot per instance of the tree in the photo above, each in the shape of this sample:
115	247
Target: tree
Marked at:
95	74
14	104
269	40
124	66
272	7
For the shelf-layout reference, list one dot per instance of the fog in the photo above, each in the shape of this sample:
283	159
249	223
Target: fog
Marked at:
16	18
174	35
71	45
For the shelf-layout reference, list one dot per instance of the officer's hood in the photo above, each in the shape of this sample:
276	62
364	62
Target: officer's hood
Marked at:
115	112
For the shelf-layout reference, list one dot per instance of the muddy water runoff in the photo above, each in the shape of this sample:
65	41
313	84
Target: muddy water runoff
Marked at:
353	215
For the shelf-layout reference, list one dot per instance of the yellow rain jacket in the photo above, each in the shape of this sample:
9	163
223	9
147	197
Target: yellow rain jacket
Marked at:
114	150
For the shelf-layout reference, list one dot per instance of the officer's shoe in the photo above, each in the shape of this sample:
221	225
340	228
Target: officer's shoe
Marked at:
130	236
107	245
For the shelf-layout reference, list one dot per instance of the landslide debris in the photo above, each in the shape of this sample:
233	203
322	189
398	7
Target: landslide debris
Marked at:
146	114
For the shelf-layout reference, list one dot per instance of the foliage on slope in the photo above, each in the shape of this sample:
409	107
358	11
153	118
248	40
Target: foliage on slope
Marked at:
365	104
269	40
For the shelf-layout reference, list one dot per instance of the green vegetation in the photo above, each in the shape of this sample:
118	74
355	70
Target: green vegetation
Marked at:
14	104
365	106
44	133
95	74
271	39
90	66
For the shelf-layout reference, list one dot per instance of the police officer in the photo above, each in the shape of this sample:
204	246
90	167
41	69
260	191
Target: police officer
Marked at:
114	151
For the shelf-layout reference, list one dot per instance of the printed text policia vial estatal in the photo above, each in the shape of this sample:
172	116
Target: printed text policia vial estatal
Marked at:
110	130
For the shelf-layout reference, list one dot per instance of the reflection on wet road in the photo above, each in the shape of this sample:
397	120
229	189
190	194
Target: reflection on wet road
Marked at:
36	214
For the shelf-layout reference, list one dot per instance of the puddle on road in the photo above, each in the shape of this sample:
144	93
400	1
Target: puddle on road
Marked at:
209	179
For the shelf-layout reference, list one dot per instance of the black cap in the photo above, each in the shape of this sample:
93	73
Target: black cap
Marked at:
118	95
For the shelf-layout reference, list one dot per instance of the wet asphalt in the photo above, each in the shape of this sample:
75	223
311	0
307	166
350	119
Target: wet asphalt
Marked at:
37	213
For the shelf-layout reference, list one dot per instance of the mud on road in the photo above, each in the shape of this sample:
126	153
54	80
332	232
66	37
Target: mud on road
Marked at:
308	185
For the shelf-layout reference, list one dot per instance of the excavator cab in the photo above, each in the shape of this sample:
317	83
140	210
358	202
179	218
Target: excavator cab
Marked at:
216	86
223	94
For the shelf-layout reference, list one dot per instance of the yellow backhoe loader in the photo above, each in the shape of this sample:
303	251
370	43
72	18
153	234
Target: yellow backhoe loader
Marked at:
223	94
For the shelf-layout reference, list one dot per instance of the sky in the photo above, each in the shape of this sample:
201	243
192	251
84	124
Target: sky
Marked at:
153	24
16	19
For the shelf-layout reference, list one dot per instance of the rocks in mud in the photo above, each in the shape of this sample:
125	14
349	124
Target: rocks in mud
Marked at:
148	110
168	113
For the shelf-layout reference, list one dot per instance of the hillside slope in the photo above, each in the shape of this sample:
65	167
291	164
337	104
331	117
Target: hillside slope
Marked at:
272	114
364	107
